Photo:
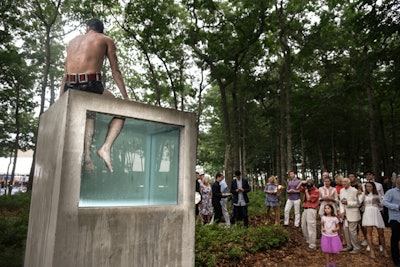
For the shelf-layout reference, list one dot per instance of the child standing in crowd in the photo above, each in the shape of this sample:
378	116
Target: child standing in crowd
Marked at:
330	241
338	187
272	192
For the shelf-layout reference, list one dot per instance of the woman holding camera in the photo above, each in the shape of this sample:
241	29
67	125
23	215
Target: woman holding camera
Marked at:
309	216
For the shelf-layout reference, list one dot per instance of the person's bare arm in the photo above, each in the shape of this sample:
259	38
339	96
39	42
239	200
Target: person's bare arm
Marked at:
116	73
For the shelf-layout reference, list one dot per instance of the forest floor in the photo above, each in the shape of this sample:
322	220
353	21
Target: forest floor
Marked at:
296	253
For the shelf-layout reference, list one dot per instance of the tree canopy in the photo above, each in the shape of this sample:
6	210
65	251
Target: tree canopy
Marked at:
276	85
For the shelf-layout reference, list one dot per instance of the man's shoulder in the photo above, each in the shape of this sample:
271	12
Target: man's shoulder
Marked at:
391	191
352	189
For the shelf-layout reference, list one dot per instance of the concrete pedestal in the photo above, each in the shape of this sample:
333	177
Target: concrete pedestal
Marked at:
63	234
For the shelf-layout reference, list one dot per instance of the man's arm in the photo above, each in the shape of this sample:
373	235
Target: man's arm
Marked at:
388	201
116	73
233	187
216	190
352	199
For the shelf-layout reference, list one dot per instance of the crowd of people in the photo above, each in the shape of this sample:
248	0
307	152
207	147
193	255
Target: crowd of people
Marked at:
215	201
346	208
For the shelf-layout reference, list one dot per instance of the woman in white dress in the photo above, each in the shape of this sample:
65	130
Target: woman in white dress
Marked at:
372	216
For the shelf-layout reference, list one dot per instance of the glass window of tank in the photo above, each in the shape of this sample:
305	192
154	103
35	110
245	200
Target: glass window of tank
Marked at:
144	159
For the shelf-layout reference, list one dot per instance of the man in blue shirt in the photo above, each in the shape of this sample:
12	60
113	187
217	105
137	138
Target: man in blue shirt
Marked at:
391	200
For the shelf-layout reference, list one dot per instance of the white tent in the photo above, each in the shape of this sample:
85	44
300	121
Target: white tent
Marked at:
23	167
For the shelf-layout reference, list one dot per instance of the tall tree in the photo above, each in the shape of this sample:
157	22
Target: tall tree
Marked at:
221	36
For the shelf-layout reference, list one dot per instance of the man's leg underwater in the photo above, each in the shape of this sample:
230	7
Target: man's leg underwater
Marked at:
89	167
114	129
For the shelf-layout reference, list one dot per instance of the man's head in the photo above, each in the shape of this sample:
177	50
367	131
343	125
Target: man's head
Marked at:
219	177
352	177
95	25
346	182
370	175
292	175
238	174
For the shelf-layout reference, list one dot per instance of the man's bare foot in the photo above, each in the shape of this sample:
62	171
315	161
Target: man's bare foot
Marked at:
105	155
89	166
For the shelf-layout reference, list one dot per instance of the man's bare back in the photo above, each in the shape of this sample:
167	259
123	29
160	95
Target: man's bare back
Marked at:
85	55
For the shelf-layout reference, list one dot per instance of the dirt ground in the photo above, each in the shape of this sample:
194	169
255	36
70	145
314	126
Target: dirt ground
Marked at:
296	253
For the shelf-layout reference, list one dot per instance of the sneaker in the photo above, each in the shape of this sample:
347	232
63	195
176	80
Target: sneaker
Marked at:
368	249
364	243
312	247
380	248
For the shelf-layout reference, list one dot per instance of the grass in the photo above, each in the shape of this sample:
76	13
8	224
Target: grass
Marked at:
14	219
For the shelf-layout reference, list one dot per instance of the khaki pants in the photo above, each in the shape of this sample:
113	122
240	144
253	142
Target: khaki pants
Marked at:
351	235
309	226
225	212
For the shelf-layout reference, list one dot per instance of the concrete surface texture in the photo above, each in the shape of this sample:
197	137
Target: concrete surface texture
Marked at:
63	234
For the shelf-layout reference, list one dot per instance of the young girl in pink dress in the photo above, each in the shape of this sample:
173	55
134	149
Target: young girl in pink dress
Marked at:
330	241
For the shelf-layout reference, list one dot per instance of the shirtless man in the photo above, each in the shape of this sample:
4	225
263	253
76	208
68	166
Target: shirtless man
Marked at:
85	58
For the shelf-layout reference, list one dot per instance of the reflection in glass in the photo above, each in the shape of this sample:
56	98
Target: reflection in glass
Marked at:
145	160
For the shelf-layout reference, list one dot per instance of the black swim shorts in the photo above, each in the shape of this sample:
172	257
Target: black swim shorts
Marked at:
91	86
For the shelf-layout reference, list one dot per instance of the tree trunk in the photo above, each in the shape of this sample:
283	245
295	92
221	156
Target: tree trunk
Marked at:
225	112
237	129
332	152
243	144
372	132
286	87
17	135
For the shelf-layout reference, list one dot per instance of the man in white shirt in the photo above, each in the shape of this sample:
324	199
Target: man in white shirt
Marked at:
349	209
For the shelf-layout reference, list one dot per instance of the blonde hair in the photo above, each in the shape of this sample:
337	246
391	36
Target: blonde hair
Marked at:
274	179
206	179
340	177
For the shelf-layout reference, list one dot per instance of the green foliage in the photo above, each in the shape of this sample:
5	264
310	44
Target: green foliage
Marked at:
257	203
216	244
213	243
13	233
13	228
18	204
